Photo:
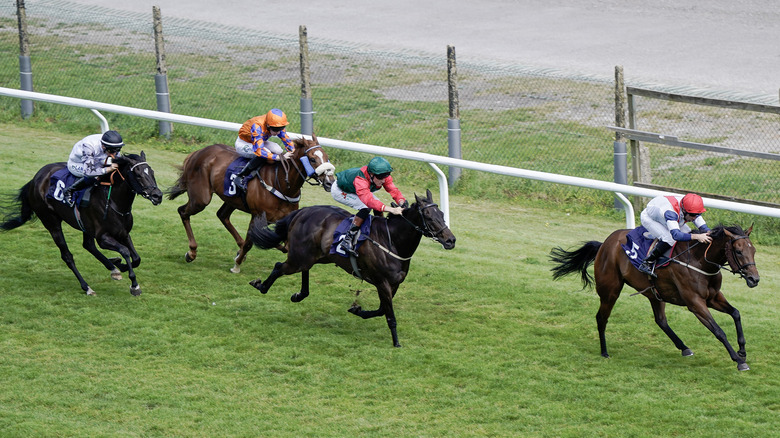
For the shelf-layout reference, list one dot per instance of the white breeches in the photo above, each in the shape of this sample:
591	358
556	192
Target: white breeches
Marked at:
246	150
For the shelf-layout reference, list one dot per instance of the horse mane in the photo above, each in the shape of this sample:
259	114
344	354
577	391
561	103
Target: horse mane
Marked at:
719	231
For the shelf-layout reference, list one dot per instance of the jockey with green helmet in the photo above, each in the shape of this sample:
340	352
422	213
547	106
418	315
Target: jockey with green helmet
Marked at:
354	187
666	217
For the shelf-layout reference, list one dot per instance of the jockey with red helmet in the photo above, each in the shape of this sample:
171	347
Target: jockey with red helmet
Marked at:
666	217
252	142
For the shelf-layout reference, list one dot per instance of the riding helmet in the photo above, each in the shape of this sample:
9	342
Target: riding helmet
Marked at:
692	203
112	140
379	166
276	118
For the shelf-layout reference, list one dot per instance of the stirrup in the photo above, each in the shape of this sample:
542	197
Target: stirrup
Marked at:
243	182
645	269
68	198
347	246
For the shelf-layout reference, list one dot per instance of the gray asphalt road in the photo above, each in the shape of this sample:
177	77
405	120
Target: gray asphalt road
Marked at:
718	44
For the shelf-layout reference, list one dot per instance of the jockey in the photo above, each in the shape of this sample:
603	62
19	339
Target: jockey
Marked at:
252	142
354	187
665	218
91	157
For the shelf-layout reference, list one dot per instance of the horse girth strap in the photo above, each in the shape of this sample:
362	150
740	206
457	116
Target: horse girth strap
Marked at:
379	245
276	192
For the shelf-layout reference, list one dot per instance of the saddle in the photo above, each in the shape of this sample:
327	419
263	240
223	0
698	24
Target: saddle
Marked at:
230	188
639	244
341	232
62	179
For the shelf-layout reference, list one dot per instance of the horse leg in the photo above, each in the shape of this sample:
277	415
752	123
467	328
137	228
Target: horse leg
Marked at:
720	304
55	229
243	249
191	208
659	312
128	254
264	286
297	298
114	265
608	294
700	310
386	293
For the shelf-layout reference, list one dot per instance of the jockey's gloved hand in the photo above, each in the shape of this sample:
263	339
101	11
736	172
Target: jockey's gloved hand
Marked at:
405	204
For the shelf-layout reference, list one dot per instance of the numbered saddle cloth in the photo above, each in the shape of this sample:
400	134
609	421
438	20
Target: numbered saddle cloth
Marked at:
638	245
229	187
341	232
59	181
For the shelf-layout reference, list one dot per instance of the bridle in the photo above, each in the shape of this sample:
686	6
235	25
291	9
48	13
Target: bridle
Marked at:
731	258
425	230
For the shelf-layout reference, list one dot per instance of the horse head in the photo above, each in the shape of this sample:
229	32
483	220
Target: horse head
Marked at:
315	161
140	176
731	246
432	222
740	254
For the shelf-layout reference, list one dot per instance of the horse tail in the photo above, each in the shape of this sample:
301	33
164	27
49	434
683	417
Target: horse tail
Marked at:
178	188
16	210
265	237
575	261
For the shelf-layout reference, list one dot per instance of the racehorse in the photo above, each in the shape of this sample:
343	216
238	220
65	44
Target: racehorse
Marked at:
107	217
383	260
693	279
276	193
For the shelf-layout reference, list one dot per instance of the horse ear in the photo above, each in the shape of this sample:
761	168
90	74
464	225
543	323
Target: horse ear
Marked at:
143	156
750	230
428	193
416	198
314	138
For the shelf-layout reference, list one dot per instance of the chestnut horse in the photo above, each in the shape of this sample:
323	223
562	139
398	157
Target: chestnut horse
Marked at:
383	260
693	279
107	217
276	192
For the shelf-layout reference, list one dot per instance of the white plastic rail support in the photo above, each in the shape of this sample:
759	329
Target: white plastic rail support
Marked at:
103	121
444	193
629	210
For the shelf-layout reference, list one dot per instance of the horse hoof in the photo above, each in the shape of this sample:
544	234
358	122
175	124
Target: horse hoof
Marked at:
188	258
687	352
355	310
397	345
116	274
258	284
90	292
297	298
235	269
135	291
743	367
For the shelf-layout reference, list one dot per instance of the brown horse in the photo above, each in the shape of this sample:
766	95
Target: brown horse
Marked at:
107	217
383	260
693	279
276	192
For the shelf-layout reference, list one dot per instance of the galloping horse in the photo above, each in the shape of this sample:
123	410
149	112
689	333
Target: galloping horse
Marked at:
107	217
383	260
693	279
276	193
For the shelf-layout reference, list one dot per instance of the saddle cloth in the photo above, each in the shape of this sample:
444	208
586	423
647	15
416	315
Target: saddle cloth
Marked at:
230	188
59	181
341	232
638	246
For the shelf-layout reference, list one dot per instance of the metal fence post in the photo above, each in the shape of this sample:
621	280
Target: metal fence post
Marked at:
620	156
161	78
25	66
307	107
453	123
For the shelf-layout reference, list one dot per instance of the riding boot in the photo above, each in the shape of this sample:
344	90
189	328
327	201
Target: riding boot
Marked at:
349	242
79	184
649	263
242	177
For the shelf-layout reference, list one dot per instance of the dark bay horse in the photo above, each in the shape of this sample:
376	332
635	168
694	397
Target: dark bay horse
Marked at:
107	218
382	261
276	193
693	279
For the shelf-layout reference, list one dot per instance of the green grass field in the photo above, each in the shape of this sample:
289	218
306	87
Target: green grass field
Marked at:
492	347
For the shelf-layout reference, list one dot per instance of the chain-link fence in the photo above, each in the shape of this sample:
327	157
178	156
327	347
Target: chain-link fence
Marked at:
510	115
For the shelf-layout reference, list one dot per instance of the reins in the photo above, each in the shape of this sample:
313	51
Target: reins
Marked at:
424	231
